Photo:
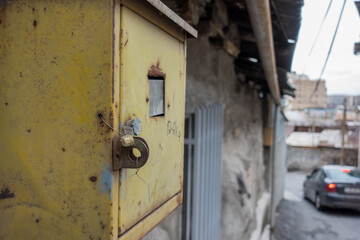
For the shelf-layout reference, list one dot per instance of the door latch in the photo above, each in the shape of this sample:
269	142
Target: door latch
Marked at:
134	156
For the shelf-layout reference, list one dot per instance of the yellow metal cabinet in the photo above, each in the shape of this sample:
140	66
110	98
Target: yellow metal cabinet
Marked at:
62	63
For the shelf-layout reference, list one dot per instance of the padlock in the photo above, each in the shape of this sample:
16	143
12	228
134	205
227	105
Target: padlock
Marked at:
127	140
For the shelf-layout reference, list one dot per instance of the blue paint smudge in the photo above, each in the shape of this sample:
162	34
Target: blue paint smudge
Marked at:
106	181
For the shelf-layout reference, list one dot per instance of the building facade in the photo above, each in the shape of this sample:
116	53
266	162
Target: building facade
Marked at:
306	96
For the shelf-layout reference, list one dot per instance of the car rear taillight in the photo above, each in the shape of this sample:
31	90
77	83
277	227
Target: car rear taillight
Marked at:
331	187
346	170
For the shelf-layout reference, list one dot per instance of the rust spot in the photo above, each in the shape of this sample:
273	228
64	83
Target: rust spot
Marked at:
33	9
34	23
93	178
168	105
20	74
54	61
37	220
6	104
29	130
156	72
5	193
102	225
125	42
63	149
147	99
139	203
44	9
110	204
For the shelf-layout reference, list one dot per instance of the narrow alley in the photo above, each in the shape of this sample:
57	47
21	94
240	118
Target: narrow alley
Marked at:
298	219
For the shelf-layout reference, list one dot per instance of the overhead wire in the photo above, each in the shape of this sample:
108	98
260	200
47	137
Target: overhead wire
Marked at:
329	52
317	35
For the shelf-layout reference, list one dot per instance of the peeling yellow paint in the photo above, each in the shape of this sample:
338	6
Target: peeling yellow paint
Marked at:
55	74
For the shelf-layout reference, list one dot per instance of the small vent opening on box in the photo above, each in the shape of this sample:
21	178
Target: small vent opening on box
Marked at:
156	96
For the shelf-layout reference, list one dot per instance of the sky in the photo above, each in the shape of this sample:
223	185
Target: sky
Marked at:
342	74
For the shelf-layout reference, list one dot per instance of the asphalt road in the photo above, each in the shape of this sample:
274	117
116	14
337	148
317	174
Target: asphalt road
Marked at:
298	219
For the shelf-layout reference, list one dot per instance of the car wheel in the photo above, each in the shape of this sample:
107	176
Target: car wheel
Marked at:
318	204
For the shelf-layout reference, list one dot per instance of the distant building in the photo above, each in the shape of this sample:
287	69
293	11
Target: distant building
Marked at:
334	101
305	95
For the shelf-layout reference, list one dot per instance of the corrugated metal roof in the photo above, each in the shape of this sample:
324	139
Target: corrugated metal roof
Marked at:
330	138
289	12
296	117
303	139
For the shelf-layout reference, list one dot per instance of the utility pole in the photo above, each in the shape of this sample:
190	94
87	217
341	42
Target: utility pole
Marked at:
358	126
343	131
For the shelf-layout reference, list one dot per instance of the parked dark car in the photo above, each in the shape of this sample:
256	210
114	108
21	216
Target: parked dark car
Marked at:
334	186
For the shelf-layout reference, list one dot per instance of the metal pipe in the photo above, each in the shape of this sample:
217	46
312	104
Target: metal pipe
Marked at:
259	12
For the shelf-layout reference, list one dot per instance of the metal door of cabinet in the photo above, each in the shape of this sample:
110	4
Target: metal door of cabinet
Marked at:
152	73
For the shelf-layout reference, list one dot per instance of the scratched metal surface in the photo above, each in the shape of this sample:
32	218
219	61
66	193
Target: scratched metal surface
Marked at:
55	74
147	49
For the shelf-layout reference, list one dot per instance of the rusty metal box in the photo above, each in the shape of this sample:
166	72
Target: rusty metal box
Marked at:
62	63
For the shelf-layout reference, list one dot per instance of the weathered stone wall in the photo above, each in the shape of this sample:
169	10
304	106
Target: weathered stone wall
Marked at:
306	159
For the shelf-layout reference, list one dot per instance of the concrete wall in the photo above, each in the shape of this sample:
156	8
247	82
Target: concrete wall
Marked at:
306	159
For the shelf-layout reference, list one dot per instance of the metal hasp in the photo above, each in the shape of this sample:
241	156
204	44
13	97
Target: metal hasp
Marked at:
124	157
